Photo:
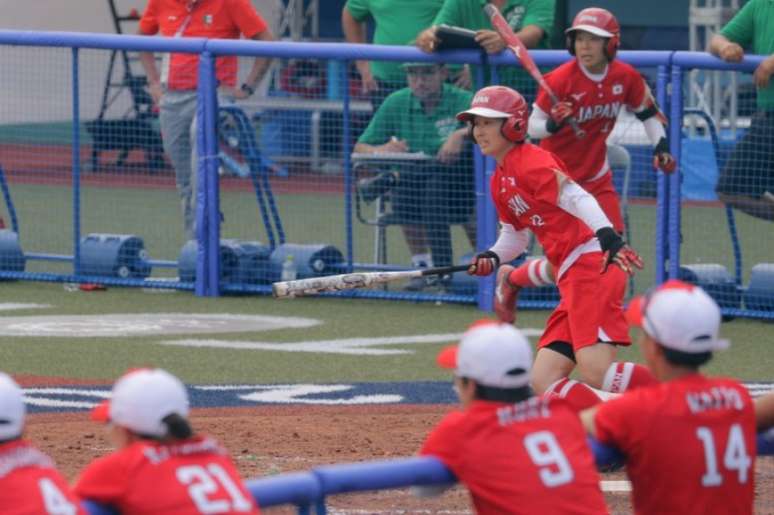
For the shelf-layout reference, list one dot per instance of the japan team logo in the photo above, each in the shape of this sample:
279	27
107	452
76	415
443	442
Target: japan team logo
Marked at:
617	89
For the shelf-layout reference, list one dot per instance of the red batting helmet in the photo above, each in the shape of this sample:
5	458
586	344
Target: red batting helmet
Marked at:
599	22
500	102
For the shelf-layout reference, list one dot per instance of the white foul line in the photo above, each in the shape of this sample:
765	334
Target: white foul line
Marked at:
354	346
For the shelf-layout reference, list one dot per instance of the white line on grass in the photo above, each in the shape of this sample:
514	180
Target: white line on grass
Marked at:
12	306
352	346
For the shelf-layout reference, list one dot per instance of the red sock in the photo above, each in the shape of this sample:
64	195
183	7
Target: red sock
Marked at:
625	376
533	272
579	395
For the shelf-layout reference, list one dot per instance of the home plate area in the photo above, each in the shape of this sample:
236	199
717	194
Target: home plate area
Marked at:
75	398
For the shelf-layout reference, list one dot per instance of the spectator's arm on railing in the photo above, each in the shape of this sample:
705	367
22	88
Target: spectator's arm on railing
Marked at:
355	32
720	46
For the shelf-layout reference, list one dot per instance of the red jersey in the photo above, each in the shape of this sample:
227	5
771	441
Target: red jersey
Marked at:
190	477
30	485
222	19
690	445
598	104
525	191
530	457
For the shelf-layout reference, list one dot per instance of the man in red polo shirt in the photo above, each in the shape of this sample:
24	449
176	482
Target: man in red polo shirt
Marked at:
174	87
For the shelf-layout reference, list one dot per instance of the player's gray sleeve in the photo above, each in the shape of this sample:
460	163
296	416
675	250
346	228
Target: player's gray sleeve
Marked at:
537	123
579	203
510	243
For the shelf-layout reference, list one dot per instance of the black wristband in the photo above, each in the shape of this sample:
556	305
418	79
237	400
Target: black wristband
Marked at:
609	240
552	126
490	254
661	147
247	89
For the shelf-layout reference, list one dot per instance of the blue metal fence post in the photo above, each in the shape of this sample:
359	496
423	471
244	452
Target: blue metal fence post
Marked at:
675	147
207	191
486	219
662	186
76	164
345	150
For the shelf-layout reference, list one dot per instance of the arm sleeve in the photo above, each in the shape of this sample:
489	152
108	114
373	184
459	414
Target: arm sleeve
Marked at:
149	23
358	9
579	203
248	20
444	441
379	128
104	480
510	243
741	27
449	14
654	129
618	421
541	14
537	123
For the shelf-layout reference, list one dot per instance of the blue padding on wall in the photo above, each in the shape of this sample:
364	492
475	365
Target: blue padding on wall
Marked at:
377	475
699	168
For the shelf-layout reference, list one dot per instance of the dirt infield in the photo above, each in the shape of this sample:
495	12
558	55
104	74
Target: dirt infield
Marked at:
273	440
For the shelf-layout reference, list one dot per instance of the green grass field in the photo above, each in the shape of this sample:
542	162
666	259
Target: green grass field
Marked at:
105	358
152	213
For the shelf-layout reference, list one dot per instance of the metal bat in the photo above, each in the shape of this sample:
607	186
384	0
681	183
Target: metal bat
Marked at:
522	54
313	285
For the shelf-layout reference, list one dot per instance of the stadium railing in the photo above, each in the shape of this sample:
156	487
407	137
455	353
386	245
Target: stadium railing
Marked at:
307	491
216	265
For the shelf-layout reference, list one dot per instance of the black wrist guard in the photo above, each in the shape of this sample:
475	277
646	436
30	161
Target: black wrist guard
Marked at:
552	127
609	240
661	147
490	254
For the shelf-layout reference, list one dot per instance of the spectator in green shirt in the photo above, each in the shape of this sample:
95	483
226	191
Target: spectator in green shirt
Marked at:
429	196
531	20
396	22
747	180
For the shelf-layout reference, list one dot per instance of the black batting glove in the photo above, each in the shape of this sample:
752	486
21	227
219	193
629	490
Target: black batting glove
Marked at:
616	251
484	263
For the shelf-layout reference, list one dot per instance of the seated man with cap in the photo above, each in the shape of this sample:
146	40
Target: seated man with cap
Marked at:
689	441
429	196
160	466
29	481
515	452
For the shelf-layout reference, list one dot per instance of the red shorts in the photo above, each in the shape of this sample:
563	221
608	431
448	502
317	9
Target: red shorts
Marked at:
591	309
604	191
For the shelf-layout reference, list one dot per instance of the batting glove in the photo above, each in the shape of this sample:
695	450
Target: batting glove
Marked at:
506	294
484	263
662	159
560	113
617	252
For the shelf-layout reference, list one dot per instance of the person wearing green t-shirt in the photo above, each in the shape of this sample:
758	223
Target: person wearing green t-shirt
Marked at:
531	20
747	180
429	196
396	22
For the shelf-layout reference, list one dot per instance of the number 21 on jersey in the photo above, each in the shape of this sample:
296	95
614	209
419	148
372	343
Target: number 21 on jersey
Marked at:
205	482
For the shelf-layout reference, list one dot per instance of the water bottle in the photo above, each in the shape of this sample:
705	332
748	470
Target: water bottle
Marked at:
289	270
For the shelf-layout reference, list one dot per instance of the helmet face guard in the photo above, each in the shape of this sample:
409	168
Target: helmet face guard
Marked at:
599	22
500	102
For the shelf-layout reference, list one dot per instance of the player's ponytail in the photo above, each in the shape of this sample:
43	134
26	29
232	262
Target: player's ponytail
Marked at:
177	426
